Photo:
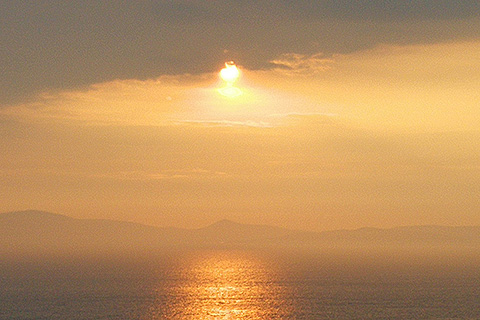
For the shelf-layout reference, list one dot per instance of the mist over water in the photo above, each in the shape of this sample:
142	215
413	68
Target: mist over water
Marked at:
243	284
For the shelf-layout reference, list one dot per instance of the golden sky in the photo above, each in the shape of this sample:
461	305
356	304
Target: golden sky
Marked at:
381	134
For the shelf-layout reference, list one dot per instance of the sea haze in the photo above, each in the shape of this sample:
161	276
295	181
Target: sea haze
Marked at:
56	267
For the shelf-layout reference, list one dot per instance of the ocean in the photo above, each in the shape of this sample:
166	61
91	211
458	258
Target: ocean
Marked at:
242	284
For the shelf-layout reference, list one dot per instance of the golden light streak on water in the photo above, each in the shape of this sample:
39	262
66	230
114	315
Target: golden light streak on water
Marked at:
228	285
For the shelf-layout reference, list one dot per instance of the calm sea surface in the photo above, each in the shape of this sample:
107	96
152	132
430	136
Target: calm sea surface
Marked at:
231	284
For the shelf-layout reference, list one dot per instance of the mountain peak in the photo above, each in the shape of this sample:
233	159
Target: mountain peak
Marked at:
224	223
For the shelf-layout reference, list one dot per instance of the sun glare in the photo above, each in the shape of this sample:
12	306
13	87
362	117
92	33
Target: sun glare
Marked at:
230	92
230	73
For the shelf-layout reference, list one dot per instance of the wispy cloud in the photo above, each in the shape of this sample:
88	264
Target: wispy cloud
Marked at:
196	173
124	102
225	123
295	63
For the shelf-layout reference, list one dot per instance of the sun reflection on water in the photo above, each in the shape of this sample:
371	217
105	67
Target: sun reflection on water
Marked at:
227	285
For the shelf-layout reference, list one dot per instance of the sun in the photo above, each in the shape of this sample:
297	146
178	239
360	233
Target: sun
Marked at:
230	73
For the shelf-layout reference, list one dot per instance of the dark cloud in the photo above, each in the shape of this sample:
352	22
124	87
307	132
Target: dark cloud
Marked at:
327	9
60	44
386	10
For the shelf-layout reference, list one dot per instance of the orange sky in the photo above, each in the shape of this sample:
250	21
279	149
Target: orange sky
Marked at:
381	137
352	113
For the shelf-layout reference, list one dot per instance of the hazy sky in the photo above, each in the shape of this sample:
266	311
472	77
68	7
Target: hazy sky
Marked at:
353	113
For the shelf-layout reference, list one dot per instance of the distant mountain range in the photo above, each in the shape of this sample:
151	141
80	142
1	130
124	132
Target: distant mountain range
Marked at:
39	233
